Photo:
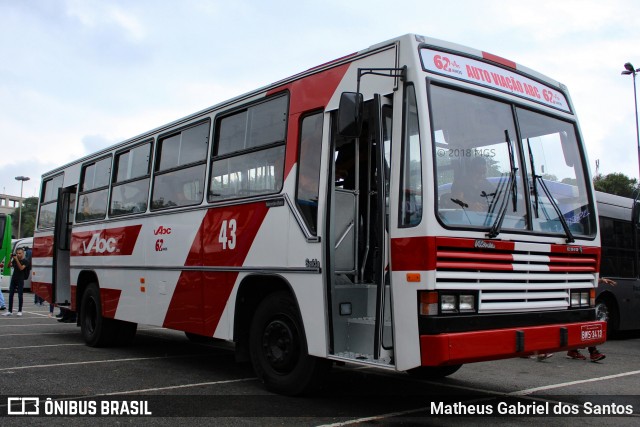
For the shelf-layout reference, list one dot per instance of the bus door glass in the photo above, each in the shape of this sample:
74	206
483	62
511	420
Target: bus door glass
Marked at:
382	120
62	245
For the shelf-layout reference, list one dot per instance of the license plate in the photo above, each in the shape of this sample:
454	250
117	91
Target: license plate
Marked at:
591	332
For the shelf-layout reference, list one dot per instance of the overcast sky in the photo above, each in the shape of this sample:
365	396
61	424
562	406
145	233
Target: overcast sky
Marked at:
80	75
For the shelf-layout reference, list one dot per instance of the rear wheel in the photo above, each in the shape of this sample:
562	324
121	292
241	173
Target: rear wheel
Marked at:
278	348
433	372
96	330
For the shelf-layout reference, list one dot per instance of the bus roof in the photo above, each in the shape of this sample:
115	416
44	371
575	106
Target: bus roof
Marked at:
414	40
612	206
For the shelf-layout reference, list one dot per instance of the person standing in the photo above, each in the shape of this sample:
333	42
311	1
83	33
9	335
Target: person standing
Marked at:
21	268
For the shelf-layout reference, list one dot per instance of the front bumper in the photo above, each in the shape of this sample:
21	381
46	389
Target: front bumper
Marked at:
477	346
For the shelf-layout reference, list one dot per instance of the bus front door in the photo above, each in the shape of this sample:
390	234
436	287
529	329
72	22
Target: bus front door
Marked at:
359	289
61	276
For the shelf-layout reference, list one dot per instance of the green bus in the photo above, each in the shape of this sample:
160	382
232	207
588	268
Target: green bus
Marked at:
5	244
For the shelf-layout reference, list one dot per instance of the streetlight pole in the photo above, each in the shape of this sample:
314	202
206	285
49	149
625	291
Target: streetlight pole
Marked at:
629	69
22	179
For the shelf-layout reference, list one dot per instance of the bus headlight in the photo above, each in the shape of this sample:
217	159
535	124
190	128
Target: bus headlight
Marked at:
467	303
457	303
584	299
448	304
432	303
580	298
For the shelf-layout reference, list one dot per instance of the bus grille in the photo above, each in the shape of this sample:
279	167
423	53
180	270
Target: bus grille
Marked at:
515	277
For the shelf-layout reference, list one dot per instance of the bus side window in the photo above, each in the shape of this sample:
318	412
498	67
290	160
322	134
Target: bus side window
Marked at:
309	169
248	159
48	201
130	188
617	248
181	158
94	188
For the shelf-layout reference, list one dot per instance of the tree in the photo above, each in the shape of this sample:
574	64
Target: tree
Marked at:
615	183
28	224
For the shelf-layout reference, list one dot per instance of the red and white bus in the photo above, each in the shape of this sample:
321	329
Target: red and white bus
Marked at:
336	216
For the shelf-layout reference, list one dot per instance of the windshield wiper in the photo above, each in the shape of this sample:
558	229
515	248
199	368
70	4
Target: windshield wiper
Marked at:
497	224
545	189
561	218
511	187
464	207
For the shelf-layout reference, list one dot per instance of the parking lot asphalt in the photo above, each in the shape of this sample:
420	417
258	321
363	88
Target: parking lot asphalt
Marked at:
175	380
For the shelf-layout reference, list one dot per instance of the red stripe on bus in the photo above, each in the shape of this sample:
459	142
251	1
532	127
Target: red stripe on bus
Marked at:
309	93
574	250
475	256
43	290
413	253
573	268
42	247
200	298
474	266
107	242
480	244
109	299
572	260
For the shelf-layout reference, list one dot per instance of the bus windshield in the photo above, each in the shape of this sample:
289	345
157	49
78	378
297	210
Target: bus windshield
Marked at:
482	167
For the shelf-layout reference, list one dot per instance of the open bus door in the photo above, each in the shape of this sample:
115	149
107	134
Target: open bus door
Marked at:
61	278
358	245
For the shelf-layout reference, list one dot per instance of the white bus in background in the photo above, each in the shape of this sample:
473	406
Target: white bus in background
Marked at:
25	243
305	220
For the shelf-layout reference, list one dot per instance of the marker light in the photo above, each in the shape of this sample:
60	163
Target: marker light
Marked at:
428	303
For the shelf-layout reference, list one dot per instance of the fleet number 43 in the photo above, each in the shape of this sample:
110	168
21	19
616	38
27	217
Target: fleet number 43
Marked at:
227	236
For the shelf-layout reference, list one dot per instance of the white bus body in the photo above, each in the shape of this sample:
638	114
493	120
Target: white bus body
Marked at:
306	233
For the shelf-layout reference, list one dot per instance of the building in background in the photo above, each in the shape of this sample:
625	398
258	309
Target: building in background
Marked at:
8	204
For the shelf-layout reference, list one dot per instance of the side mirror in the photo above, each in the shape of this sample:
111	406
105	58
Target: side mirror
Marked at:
350	114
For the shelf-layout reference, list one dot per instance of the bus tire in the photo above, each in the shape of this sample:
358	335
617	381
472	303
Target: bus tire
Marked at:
278	348
433	372
96	330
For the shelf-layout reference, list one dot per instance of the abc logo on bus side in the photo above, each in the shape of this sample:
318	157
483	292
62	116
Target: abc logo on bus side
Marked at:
99	245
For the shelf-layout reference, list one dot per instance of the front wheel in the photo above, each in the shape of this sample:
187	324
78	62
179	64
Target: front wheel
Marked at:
278	348
98	331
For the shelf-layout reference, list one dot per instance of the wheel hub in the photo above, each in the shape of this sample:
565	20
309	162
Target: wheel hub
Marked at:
279	345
